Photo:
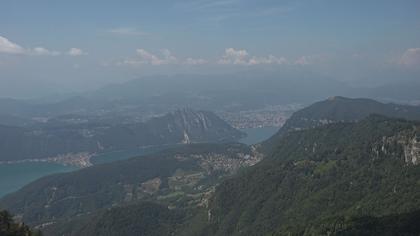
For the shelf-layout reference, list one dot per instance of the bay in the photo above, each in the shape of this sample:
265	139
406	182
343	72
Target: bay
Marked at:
257	135
15	176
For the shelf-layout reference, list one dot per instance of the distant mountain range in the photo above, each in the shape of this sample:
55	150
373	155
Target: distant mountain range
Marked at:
217	93
338	167
226	91
75	136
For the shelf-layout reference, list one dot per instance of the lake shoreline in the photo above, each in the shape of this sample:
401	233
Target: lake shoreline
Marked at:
80	160
16	174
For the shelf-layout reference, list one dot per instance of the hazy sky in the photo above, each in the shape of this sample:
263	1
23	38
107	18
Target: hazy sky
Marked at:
80	44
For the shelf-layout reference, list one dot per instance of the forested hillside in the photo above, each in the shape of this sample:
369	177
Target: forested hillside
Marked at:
9	227
183	177
340	109
366	170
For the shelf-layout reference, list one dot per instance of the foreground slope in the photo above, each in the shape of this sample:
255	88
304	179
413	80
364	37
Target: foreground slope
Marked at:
9	227
179	177
140	218
318	180
340	179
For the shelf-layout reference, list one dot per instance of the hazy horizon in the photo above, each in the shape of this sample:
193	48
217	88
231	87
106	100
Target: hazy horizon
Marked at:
49	48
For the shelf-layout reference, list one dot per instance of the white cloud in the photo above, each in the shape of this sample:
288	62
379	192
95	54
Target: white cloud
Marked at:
128	31
242	57
9	47
233	56
6	46
168	58
411	57
146	57
40	51
76	52
165	58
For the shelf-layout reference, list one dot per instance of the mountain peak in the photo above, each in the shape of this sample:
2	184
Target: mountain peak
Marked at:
334	98
197	126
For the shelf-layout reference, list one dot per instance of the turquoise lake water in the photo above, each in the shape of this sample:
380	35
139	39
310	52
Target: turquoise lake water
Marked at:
15	176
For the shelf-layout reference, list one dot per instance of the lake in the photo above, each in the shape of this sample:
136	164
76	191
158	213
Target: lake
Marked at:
15	176
257	135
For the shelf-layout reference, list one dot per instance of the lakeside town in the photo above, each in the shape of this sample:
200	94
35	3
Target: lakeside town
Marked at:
80	160
269	116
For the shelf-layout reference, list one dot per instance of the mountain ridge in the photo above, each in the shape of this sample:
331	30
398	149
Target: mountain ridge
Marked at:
340	109
54	139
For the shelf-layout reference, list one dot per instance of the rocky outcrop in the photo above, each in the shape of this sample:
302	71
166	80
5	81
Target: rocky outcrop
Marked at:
404	145
51	140
412	151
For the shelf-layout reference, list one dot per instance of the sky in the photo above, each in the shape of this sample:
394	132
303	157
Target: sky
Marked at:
69	46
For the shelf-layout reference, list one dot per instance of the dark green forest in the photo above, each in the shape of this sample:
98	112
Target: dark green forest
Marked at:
318	176
9	227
